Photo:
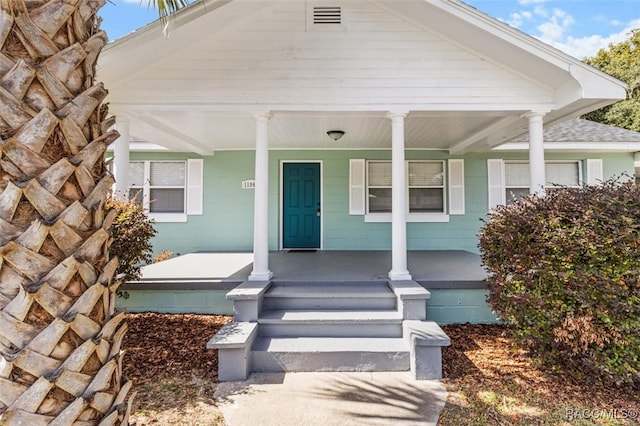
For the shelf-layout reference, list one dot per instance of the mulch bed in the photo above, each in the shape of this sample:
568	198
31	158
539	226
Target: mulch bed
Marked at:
490	381
494	382
159	346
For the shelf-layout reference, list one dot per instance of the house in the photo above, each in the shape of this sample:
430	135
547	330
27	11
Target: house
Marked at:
350	126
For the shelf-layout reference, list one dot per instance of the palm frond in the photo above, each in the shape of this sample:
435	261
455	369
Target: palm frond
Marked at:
166	7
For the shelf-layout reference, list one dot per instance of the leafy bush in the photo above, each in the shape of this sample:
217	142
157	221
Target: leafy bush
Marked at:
132	231
564	272
162	256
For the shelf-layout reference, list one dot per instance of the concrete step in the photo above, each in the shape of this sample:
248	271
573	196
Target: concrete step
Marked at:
277	354
325	323
329	295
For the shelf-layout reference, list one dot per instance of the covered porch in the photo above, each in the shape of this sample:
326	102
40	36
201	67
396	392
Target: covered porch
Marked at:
199	282
453	269
436	80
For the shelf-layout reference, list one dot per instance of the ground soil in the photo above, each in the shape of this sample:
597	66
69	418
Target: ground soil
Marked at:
490	381
174	374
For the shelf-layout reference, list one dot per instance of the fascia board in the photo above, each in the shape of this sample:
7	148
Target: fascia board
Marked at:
575	147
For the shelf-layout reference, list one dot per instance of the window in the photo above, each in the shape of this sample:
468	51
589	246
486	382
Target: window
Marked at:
167	190
379	186
158	185
558	173
429	185
508	180
426	186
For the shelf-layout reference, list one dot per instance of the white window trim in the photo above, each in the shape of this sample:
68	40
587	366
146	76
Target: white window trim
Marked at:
411	217
146	192
436	217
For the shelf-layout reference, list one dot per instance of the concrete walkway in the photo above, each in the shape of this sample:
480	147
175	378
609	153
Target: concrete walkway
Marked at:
325	399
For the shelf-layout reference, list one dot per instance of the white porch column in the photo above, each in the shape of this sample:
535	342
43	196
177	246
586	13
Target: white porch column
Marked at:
261	270
399	269
121	159
537	178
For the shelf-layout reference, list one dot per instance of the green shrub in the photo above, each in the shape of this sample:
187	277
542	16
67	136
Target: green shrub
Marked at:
564	273
132	231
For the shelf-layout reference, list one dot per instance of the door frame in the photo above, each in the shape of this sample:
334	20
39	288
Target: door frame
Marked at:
281	202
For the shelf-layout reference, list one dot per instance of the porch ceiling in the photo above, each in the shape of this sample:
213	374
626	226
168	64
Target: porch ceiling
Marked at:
207	132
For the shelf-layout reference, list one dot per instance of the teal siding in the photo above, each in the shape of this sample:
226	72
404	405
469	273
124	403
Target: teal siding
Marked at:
227	224
176	302
460	306
444	307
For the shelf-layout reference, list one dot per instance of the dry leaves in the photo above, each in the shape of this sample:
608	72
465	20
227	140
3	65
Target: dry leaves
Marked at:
168	345
174	374
493	383
490	382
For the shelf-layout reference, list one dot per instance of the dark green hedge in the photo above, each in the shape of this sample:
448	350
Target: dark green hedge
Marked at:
564	273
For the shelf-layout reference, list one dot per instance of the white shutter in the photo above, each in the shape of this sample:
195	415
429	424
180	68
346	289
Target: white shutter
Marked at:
495	174
356	187
595	173
195	172
456	186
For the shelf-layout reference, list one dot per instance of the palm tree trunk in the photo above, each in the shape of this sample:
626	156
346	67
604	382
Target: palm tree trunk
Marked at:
59	337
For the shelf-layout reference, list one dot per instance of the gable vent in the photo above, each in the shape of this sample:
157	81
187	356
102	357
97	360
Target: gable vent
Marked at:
327	15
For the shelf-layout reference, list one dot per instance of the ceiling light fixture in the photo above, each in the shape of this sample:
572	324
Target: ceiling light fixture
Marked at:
335	134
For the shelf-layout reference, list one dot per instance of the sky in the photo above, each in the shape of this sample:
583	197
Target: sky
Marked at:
577	27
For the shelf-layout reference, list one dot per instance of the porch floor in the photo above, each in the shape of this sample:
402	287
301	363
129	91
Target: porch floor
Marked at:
432	268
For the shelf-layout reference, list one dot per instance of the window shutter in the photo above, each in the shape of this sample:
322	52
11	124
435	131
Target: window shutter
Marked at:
595	174
495	173
456	186
195	172
356	187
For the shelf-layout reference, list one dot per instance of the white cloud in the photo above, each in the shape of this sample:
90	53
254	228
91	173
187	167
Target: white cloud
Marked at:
540	10
526	2
515	20
581	47
556	27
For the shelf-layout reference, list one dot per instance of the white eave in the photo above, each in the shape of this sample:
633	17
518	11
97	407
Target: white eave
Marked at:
570	86
593	86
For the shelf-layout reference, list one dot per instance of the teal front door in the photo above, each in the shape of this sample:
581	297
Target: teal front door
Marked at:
301	205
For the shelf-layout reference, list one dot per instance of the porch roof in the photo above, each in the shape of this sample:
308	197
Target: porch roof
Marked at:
466	78
578	134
